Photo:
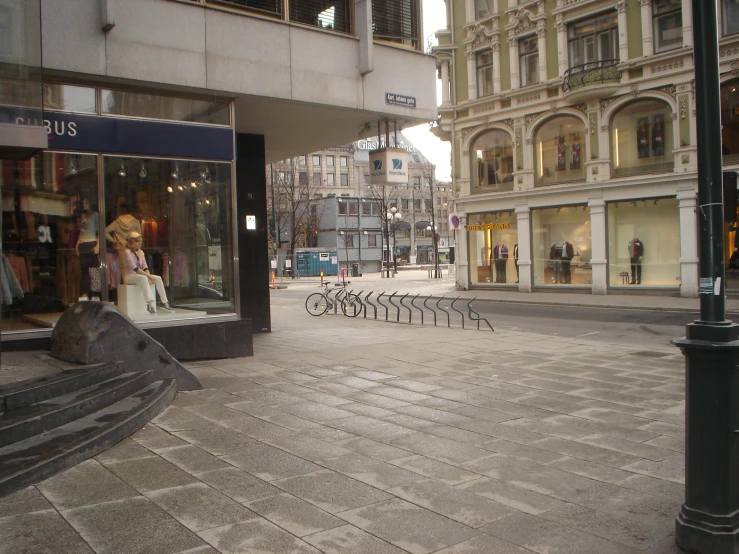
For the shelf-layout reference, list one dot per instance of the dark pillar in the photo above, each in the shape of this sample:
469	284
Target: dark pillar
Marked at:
709	520
253	263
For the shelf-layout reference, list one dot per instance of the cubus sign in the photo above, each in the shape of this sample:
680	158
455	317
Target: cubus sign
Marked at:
389	166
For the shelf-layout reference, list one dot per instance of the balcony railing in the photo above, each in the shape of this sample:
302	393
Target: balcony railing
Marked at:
592	73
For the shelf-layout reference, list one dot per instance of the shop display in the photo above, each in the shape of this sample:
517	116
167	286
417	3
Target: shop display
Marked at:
515	261
87	249
636	252
136	272
561	254
500	255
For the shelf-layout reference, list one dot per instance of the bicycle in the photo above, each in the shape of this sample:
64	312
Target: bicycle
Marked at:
319	303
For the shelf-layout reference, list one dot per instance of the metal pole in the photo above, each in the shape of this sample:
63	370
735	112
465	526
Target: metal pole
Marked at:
708	522
276	235
433	229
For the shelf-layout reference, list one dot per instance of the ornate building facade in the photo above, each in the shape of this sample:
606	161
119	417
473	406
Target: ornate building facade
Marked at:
573	136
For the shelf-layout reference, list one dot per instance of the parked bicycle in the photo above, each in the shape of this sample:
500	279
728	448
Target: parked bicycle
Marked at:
319	303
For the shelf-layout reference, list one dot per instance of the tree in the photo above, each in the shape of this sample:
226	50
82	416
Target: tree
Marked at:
428	171
387	196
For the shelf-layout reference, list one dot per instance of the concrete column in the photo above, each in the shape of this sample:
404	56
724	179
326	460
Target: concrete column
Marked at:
541	43
471	76
646	28
523	220
599	260
623	34
444	63
687	202
687	6
496	67
469	10
513	49
563	62
461	254
363	22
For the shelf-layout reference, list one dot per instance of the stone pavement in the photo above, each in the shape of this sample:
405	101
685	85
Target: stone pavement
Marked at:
355	436
418	282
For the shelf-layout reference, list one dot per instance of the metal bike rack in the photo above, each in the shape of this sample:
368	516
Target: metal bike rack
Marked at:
410	314
432	310
383	305
419	309
390	299
474	316
448	317
367	300
456	310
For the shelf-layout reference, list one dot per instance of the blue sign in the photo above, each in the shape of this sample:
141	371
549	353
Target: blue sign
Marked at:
93	133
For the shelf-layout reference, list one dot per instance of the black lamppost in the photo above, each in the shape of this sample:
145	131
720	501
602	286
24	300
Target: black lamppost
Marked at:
395	216
708	521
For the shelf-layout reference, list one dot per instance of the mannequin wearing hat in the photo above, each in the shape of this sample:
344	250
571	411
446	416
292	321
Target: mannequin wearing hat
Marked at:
136	272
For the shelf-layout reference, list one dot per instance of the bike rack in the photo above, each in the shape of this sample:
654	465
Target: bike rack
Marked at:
456	310
359	297
419	309
383	305
474	316
448	317
410	314
432	310
397	319
366	299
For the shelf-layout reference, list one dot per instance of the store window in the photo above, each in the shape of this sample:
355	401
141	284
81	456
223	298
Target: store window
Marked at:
644	243
50	236
730	16
69	98
668	24
493	244
492	162
594	39
730	121
483	8
561	246
560	147
528	54
170	108
642	138
182	210
484	62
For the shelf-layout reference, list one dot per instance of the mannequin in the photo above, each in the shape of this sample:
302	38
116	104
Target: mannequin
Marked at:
636	253
87	244
500	254
568	252
136	272
515	261
118	231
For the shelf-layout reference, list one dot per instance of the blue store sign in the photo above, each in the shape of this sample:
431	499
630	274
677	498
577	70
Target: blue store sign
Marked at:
112	135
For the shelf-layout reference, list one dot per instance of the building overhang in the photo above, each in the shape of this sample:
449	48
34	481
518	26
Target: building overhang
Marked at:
21	141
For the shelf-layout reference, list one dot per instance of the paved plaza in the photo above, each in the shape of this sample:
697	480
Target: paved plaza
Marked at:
356	436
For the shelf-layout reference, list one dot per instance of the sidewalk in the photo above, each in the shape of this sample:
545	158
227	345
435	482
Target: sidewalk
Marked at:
354	436
417	282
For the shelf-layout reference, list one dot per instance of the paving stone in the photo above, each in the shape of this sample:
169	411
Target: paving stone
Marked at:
179	419
292	388
592	470
328	434
408	384
409	421
376	400
348	538
676	444
269	463
371	428
133	525
40	532
85	484
510	495
662	428
636	449
584	451
439	448
206	396
324	398
651	485
666	546
672	469
373	375
289	421
336	389
459	505
294	515
524	451
257	536
148	474
597	428
192	459
358	408
548	537
22	502
484	545
355	382
219	441
398	394
374	449
439	471
310	448
331	491
408	526
155	438
484	414
373	472
315	411
127	449
238	485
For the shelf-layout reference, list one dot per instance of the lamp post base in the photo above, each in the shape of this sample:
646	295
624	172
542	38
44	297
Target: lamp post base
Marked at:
697	531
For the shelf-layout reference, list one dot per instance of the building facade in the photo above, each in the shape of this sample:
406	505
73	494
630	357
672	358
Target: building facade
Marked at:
165	131
342	211
572	125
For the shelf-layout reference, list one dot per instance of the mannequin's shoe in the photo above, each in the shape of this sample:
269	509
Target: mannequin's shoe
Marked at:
151	310
167	308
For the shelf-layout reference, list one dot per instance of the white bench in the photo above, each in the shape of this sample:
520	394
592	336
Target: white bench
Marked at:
131	300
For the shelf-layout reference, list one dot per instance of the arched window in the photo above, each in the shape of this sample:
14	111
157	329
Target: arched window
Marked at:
560	148
641	140
492	162
730	121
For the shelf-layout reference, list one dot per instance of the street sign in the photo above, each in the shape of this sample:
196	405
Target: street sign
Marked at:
400	100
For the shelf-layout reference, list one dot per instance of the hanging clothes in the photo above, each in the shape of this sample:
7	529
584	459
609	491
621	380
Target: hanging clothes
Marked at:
20	269
11	288
118	231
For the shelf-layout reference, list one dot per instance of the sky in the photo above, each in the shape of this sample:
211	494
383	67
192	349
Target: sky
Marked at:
435	150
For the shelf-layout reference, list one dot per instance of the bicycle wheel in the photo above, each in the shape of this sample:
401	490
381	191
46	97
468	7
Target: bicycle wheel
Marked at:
316	304
351	305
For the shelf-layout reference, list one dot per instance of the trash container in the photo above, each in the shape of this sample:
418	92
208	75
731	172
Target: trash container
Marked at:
355	270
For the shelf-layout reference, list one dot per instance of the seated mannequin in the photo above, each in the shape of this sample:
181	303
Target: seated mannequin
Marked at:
136	272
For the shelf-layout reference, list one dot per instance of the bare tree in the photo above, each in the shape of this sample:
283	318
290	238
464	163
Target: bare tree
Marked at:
428	171
387	196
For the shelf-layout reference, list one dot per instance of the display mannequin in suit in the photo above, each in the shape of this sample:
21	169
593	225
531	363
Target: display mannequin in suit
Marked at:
636	254
568	252
500	255
515	261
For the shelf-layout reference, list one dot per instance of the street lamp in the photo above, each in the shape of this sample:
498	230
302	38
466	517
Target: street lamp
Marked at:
395	216
436	249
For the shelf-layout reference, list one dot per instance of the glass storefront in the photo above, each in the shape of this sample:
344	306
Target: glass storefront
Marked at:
644	243
493	244
560	149
561	246
492	159
642	140
730	121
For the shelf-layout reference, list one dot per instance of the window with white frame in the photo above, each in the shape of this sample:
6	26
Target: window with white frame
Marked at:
344	161
301	160
416	181
730	16
483	8
329	161
484	61
331	179
528	56
316	159
344	179
316	179
668	24
594	39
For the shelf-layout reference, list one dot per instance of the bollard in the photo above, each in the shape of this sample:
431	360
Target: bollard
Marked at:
321	278
273	279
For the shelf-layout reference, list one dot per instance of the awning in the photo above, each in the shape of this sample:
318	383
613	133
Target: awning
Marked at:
403	226
422	225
